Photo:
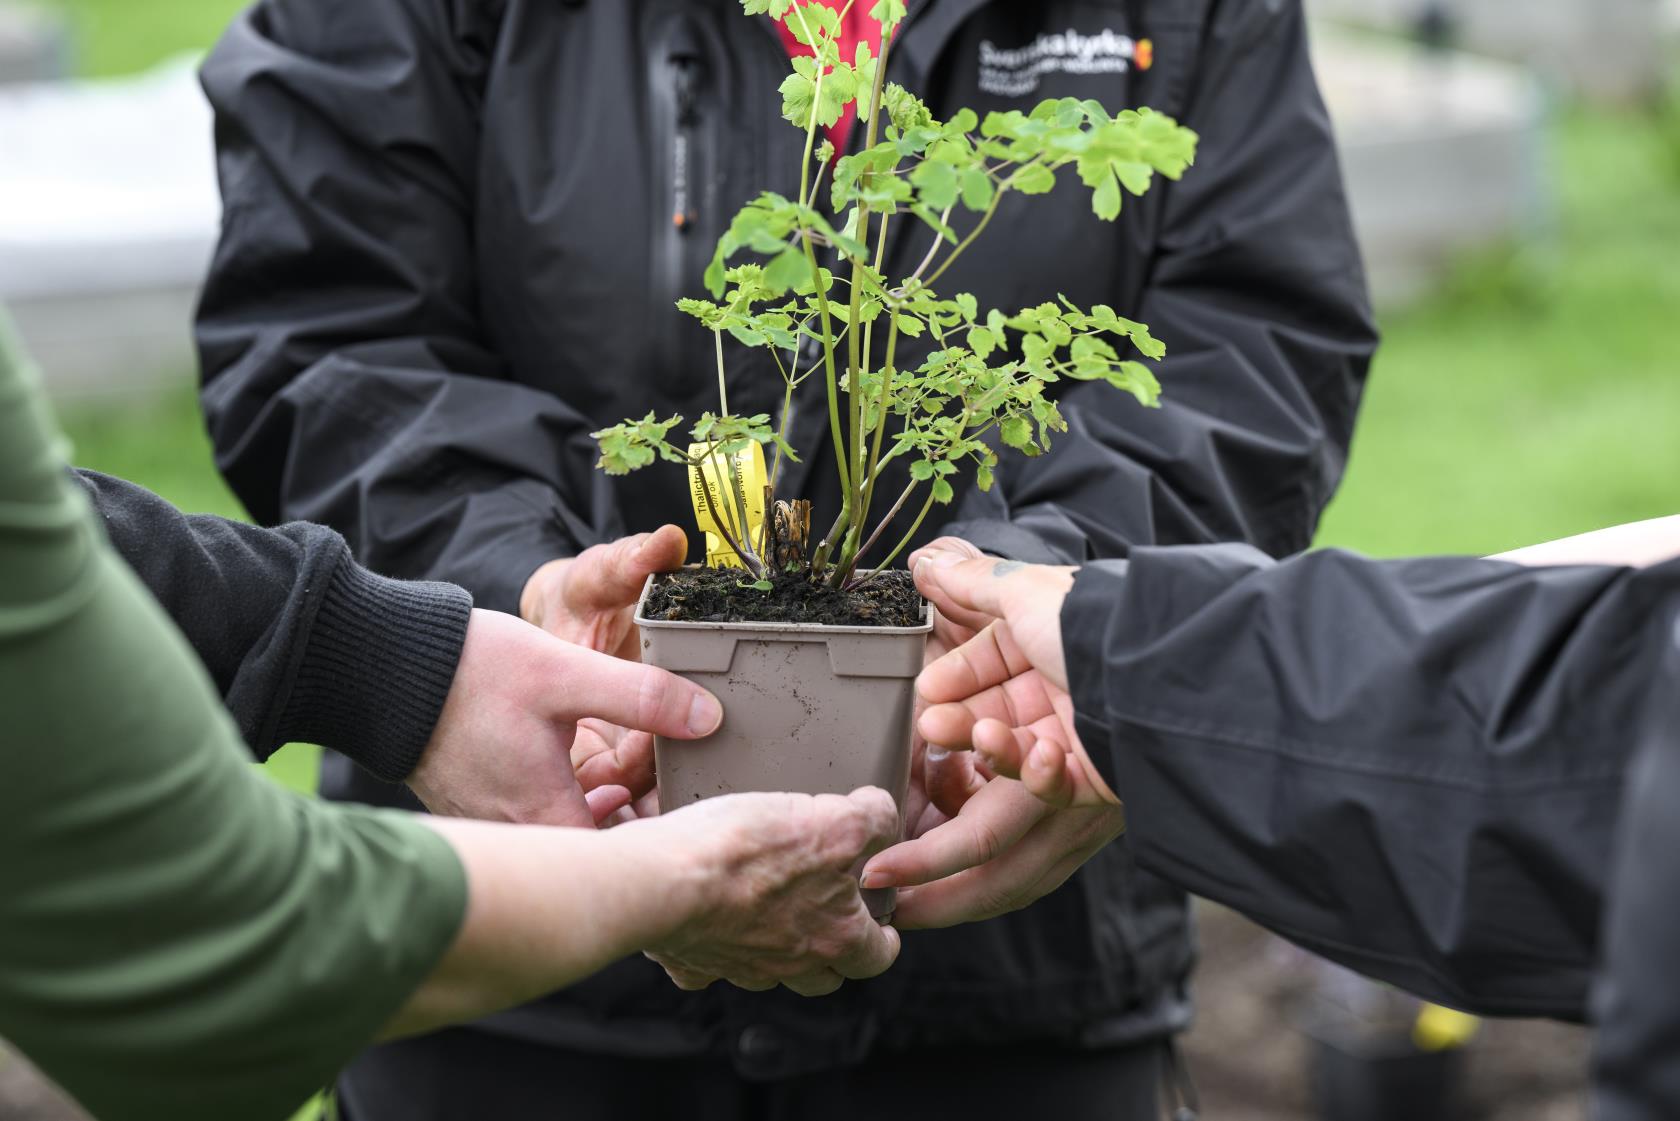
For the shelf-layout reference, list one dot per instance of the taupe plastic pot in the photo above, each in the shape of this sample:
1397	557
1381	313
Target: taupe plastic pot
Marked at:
806	709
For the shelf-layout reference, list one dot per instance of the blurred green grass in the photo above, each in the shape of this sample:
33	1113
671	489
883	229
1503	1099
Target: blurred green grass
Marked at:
122	36
1538	393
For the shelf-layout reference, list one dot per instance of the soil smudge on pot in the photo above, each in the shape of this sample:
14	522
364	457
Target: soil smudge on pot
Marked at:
727	595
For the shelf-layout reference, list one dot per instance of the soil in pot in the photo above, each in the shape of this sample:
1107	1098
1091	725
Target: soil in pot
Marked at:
729	595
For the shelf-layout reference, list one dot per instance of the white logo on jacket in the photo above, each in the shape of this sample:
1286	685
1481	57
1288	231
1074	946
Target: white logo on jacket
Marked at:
1017	72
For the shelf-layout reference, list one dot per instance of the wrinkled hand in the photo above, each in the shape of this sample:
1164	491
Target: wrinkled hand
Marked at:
506	740
1012	842
590	600
777	900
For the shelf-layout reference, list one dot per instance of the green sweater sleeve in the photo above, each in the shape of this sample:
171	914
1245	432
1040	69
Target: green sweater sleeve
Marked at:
179	938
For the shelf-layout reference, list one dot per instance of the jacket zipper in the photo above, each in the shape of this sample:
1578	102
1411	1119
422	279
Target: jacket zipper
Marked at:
685	191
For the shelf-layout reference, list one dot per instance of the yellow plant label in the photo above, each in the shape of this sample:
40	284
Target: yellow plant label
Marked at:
726	505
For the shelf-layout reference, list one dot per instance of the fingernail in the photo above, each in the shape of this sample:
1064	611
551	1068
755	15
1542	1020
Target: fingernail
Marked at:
873	880
704	715
946	560
937	754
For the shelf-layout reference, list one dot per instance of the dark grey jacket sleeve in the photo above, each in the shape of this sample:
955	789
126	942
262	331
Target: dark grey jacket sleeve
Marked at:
1412	767
303	643
1636	1005
1258	289
340	320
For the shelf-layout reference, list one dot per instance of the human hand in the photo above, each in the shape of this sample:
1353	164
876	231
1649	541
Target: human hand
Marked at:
540	731
1005	848
774	900
590	599
940	780
1005	693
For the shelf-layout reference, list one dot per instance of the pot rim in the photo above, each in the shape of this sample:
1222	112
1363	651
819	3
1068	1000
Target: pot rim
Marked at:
925	628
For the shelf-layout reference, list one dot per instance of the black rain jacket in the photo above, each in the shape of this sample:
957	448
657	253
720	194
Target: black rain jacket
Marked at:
448	254
1416	768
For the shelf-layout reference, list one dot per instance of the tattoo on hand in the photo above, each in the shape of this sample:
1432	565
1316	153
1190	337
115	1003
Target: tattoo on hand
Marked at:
1007	568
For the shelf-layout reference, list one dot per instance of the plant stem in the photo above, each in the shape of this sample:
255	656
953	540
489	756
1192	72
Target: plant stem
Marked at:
901	546
738	492
933	250
858	493
723	390
886	520
970	239
781	433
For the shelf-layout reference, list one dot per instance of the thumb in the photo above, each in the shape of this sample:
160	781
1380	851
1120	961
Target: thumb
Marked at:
631	695
972	585
610	577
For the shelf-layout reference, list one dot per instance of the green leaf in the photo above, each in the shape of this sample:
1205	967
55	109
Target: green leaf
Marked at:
799	96
1034	179
937	183
787	270
983	478
813	23
968	305
978	190
1106	201
890	13
982	342
1016	432
942	492
909	325
905	110
921	471
1135	177
776	8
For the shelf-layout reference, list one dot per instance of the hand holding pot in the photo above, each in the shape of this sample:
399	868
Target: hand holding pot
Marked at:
941	781
1003	693
590	600
524	706
775	900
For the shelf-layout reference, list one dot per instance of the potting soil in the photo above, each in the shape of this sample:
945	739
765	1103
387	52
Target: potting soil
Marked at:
727	595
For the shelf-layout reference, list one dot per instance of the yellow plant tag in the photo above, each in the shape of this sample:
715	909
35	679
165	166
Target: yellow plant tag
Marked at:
1443	1029
713	477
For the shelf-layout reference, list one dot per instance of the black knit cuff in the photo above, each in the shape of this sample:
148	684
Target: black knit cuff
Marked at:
1087	614
376	669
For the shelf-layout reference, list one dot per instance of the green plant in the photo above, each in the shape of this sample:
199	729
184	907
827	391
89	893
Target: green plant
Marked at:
988	372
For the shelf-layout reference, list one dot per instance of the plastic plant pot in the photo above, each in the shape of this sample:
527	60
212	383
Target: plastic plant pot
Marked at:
807	710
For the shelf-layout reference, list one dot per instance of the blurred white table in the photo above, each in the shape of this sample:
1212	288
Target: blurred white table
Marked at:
108	215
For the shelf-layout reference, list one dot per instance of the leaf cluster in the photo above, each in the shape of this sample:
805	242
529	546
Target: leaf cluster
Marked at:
989	381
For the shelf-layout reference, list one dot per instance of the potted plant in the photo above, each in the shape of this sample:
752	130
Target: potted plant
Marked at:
814	656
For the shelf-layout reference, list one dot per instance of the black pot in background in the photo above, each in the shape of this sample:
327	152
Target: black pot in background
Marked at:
1386	1082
